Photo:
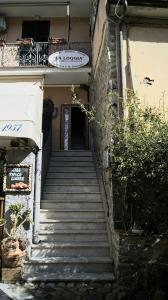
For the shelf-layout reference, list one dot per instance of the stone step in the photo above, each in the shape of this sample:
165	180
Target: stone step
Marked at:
73	235
82	169
71	159
52	277
73	224
73	249
71	196
71	181
64	204
66	188
71	153
71	214
64	164
66	175
74	242
69	265
80	209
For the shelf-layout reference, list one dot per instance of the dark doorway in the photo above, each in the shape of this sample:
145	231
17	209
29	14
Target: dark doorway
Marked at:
74	128
77	128
38	30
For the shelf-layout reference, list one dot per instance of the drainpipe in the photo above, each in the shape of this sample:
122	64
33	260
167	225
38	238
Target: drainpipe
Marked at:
119	34
37	195
129	60
69	24
121	64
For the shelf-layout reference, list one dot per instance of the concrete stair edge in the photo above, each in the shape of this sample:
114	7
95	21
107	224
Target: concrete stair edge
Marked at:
52	277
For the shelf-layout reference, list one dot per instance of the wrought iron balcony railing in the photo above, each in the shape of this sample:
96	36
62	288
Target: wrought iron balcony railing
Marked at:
36	54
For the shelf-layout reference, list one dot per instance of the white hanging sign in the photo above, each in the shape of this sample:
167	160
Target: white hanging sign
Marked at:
68	59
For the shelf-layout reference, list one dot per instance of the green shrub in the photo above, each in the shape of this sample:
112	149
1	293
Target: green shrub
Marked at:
139	154
139	162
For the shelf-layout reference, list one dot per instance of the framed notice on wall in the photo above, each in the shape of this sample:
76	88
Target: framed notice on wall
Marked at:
17	178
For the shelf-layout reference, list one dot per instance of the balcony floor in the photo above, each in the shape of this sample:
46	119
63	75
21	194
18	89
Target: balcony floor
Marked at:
52	75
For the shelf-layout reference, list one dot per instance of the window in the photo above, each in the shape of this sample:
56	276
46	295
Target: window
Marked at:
38	30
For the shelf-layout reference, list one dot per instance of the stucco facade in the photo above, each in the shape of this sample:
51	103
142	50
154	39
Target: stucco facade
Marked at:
32	68
61	96
145	50
58	28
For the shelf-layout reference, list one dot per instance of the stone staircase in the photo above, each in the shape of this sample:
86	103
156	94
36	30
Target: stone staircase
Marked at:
74	244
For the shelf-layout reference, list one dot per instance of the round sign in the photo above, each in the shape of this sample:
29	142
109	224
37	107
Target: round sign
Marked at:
68	59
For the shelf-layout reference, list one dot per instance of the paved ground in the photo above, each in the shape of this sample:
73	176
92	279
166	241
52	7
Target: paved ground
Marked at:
3	296
58	291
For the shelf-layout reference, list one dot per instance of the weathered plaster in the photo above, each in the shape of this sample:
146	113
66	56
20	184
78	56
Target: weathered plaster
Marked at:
27	199
9	56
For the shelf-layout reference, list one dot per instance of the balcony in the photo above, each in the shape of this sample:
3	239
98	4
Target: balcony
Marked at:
36	54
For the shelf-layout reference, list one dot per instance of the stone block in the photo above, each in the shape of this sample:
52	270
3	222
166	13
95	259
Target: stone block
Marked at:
11	274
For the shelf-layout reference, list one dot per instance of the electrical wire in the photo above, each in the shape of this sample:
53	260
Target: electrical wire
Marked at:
117	9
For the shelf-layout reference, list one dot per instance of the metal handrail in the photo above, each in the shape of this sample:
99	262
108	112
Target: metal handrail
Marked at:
37	53
47	146
2	200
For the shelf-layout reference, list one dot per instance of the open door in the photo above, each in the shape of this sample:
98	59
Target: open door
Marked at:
74	128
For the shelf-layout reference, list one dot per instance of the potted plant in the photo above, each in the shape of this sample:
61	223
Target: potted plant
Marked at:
57	41
14	243
25	41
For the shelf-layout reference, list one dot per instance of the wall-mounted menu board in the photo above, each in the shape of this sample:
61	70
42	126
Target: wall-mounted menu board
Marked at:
17	178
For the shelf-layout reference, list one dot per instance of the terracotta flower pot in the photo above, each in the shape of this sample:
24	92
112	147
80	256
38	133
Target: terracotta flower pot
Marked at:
27	41
57	41
12	255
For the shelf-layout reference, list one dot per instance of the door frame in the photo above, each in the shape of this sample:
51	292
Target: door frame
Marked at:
63	106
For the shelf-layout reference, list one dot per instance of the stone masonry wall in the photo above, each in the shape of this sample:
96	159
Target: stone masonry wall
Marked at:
102	95
93	9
